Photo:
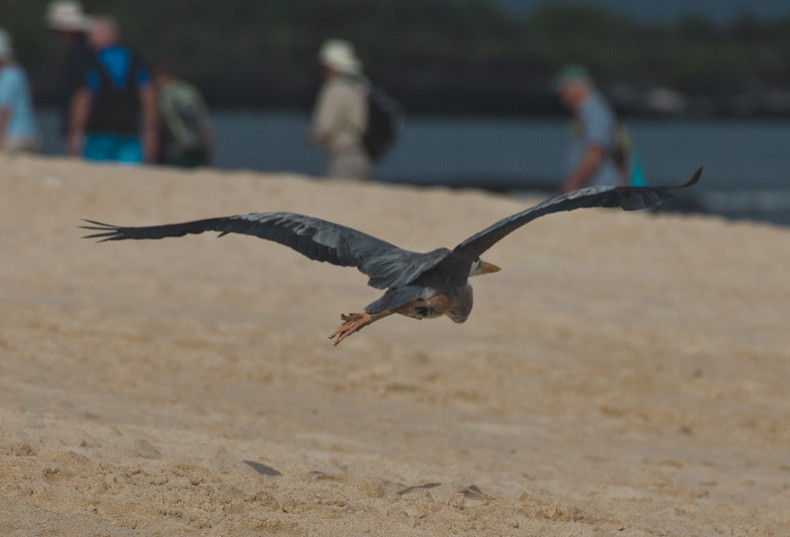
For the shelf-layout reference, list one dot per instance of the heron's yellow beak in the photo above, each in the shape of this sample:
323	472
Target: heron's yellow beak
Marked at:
487	268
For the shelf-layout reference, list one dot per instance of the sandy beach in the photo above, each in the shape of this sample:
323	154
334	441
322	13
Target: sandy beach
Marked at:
624	374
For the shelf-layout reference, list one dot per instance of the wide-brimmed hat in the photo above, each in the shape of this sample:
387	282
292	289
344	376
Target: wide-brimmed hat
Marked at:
338	54
6	50
67	15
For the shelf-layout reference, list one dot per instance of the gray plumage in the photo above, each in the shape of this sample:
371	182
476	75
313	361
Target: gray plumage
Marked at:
411	278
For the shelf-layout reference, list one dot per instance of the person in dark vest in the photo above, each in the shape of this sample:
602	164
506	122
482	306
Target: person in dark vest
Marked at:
116	101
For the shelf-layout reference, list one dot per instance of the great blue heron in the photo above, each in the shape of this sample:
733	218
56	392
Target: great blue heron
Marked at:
418	285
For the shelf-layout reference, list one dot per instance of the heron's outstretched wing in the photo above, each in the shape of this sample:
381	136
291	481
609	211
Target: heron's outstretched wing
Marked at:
317	239
629	198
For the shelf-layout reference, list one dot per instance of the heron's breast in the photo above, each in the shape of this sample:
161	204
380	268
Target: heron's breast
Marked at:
434	304
422	309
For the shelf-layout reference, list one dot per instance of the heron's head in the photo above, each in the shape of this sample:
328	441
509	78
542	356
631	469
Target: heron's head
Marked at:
482	267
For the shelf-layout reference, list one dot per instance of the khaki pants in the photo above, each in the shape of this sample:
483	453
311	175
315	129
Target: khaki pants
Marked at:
350	166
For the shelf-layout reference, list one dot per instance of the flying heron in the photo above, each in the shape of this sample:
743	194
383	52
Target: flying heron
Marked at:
418	285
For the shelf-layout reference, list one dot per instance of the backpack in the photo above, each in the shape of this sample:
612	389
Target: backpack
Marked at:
385	119
116	104
626	156
623	146
184	118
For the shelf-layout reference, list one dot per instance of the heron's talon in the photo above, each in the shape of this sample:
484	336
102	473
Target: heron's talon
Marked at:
354	322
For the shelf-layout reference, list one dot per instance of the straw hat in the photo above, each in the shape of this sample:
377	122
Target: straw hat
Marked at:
338	54
67	15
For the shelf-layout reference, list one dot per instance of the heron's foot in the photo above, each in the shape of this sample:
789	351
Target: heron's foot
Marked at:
354	322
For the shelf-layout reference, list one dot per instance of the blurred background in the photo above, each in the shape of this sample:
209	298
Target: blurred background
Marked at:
698	82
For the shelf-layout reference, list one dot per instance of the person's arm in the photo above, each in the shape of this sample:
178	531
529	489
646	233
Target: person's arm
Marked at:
150	122
591	159
80	110
210	147
326	115
6	91
5	119
206	130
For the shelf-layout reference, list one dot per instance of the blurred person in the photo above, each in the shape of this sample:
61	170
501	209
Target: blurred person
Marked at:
17	122
341	112
116	95
66	19
186	136
593	150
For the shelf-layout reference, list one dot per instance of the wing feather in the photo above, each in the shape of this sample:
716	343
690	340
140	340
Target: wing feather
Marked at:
626	197
321	240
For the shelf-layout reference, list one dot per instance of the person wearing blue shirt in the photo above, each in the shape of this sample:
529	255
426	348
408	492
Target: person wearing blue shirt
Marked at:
593	143
106	111
17	122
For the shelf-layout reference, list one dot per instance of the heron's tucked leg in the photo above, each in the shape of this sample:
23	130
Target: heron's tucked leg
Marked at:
354	322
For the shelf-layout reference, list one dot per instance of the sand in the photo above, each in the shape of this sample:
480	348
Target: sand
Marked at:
625	374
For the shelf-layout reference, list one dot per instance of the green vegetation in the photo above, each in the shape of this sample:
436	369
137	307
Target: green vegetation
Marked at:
435	55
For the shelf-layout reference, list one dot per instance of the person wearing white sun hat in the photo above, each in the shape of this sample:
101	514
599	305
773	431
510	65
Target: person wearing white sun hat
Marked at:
70	24
341	114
